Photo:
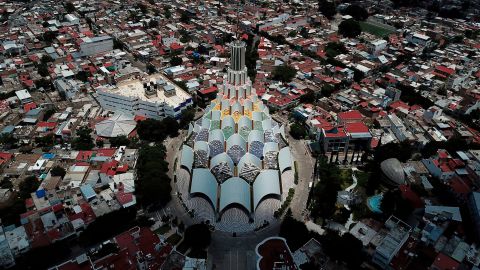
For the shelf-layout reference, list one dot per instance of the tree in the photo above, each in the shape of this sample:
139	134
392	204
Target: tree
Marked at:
294	231
402	151
46	141
7	140
58	171
394	204
153	184
297	130
83	140
49	36
184	18
153	24
349	28
327	90
292	33
308	97
346	248
187	116
151	68
48	113
284	73
333	49
46	59
304	32
143	8
44	83
327	8
119	141
82	75
157	130
43	70
324	193
176	61
198	236
69	7
167	13
357	12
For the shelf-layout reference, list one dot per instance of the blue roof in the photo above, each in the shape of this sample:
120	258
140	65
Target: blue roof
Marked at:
48	155
40	193
266	183
8	129
204	182
187	157
87	191
235	191
284	159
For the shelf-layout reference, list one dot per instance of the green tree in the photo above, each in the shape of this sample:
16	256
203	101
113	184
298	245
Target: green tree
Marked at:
43	70
46	59
187	116
284	73
69	7
184	18
308	97
119	141
58	171
346	248
7	140
394	204
327	8
294	231
82	75
153	184
327	90
349	28
333	49
153	24
298	130
357	12
197	236
176	61
83	140
151	68
167	13
46	141
324	193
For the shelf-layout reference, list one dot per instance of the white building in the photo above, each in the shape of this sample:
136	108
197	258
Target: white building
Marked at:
419	39
96	45
24	96
377	46
72	19
153	97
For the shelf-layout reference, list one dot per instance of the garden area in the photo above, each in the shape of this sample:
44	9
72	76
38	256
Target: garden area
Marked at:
375	29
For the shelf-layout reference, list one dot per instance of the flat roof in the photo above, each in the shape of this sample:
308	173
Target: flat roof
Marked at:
134	88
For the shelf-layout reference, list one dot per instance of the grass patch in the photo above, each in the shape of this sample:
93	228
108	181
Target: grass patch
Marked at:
296	172
375	29
285	204
163	230
174	239
362	178
345	179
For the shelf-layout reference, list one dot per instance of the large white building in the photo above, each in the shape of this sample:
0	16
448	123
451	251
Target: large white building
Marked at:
153	97
96	45
236	156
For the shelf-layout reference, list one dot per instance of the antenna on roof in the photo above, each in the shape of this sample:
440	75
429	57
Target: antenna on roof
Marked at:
238	21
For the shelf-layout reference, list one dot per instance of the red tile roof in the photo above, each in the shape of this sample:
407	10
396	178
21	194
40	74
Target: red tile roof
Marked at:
350	115
357	127
444	262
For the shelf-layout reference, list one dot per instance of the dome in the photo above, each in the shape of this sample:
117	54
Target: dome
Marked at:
117	125
393	170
